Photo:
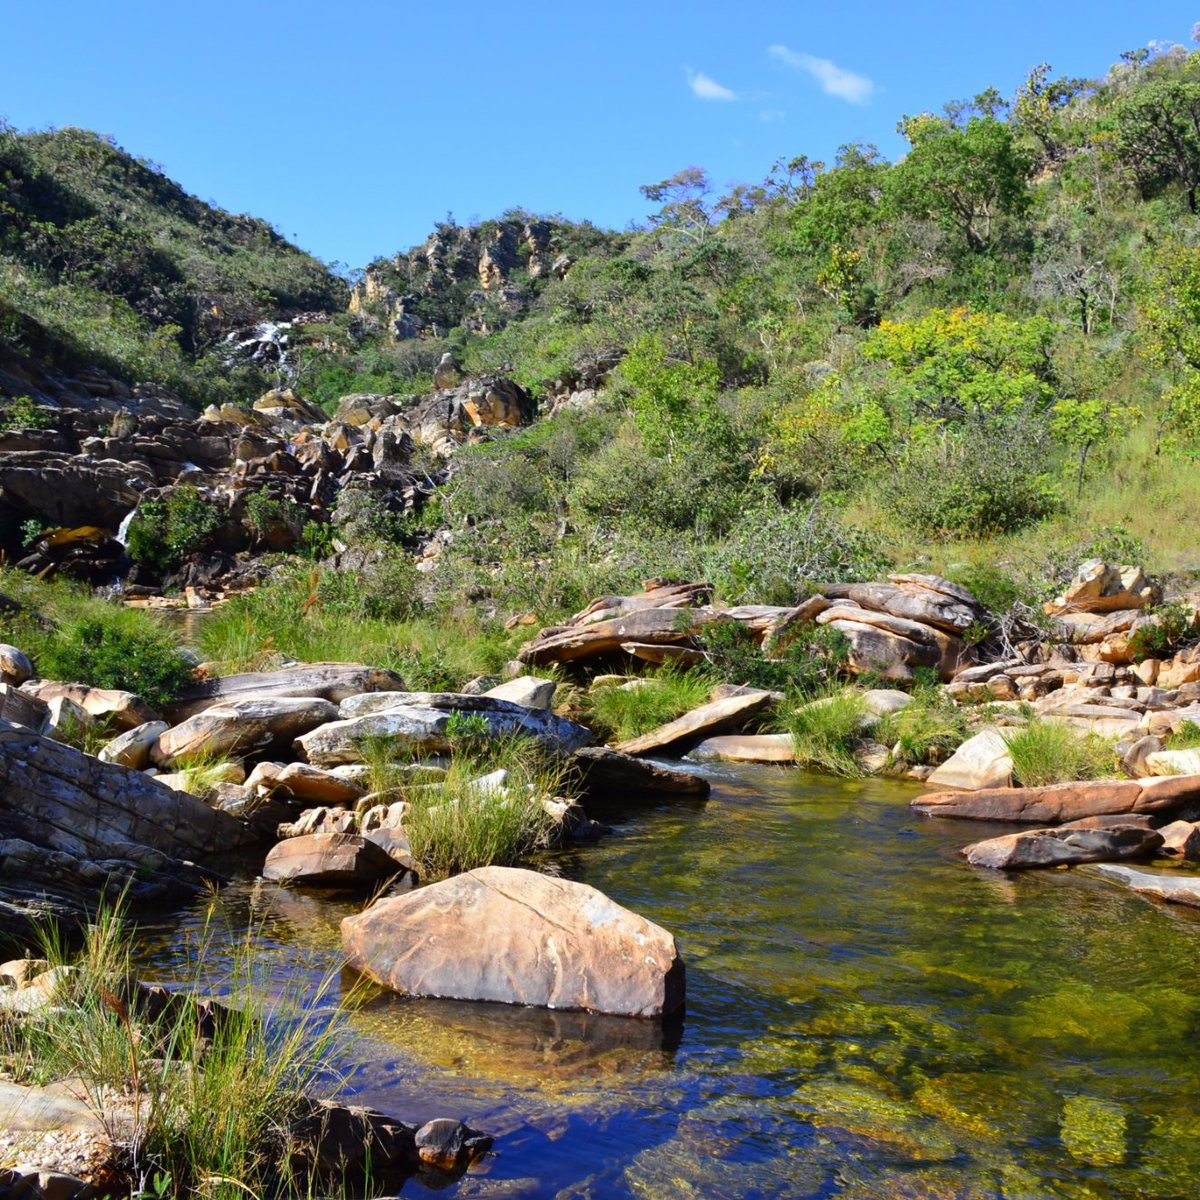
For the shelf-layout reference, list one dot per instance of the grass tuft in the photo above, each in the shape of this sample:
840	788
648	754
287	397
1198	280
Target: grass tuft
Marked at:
619	712
826	730
1051	752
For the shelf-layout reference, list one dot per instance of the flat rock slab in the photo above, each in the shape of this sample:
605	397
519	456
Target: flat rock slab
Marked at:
717	716
1060	802
420	721
1033	848
326	681
122	710
1173	888
647	626
518	937
57	1107
747	747
608	772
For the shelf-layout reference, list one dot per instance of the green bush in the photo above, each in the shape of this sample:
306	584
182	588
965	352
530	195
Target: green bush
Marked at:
22	413
165	532
974	484
114	653
1171	625
928	730
808	662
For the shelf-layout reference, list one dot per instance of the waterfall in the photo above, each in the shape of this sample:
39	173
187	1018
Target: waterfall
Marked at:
123	528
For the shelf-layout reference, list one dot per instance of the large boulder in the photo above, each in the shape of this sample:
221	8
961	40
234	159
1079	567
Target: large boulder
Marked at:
15	667
717	716
316	786
606	773
1174	888
424	723
133	747
526	689
241	727
1054	847
602	639
747	747
121	710
518	937
982	761
1057	803
328	860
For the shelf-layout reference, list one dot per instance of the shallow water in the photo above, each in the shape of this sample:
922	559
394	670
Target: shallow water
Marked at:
867	1017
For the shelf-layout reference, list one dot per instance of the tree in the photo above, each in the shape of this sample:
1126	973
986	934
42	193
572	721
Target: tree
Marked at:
1158	133
843	202
684	198
963	177
1037	103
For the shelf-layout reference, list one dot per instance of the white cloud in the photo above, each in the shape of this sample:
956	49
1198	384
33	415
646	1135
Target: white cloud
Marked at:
706	88
771	115
834	80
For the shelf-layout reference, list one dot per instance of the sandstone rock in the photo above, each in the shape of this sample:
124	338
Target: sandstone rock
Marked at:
747	747
328	860
419	721
528	690
334	682
1172	762
1133	759
315	786
881	702
66	721
15	667
920	602
715	717
1060	802
240	727
132	748
122	710
598	639
1100	588
1180	839
518	937
319	820
1052	847
980	762
19	709
884	653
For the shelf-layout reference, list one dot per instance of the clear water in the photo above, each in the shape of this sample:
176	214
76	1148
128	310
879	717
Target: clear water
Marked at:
867	1017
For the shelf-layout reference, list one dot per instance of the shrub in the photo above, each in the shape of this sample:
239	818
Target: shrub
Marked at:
1171	624
111	653
22	413
976	483
809	662
1051	752
165	532
825	731
928	730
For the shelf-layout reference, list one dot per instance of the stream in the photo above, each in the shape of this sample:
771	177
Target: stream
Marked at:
867	1017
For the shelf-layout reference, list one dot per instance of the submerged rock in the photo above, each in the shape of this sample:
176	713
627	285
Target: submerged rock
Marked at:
518	937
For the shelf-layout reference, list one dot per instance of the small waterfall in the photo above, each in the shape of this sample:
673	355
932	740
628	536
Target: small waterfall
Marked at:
123	528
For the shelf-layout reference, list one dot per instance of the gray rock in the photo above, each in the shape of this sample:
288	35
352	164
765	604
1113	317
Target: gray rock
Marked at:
1033	848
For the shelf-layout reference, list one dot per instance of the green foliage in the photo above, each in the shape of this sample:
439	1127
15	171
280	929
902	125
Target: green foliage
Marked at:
22	413
74	637
825	731
109	653
1186	737
928	730
214	1111
809	661
623	711
1052	752
671	399
1158	132
165	532
1171	624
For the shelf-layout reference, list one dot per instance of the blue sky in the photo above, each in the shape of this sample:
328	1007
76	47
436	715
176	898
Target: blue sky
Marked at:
353	127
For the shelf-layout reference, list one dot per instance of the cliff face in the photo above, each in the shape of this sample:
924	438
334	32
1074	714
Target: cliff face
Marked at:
478	276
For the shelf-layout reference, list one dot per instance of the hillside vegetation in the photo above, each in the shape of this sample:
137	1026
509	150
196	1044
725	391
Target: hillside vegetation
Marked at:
980	359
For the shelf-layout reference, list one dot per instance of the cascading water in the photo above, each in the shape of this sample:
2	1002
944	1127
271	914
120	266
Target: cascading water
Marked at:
123	528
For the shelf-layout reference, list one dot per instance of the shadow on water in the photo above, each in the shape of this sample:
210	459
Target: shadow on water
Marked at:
868	1017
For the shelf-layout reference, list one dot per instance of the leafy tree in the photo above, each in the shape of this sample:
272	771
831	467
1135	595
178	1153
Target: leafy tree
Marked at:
1158	133
670	399
684	196
843	202
964	177
1038	102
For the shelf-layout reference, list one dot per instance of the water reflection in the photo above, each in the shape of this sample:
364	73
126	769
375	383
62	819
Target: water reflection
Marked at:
867	1017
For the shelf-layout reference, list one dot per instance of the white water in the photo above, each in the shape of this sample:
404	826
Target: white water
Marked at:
123	529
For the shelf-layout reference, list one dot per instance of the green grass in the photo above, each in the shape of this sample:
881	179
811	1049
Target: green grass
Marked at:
1051	752
305	617
930	729
825	731
214	1115
1186	737
619	713
454	825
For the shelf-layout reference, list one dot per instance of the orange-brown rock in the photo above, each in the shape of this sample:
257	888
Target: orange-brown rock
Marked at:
716	716
328	860
518	937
